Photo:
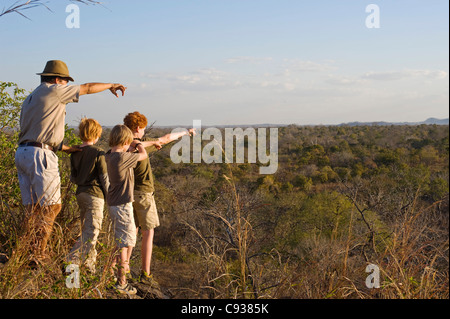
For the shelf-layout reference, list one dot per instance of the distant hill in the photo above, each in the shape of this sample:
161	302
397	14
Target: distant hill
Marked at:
433	120
430	121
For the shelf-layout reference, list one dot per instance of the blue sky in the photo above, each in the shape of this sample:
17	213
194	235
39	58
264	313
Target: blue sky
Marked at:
231	62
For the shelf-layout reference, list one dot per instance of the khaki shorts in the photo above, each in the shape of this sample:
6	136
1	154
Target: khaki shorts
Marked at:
123	225
145	212
38	173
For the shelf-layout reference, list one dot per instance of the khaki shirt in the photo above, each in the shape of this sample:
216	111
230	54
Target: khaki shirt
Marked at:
43	113
88	171
121	177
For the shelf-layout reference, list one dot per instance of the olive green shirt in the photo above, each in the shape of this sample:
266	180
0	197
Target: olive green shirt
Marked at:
88	171
143	176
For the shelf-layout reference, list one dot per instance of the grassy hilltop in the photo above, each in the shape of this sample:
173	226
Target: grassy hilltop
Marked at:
343	197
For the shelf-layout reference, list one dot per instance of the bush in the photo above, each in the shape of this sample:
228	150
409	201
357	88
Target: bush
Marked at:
11	98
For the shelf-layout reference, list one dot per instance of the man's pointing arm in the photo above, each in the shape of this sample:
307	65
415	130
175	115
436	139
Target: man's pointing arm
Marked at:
91	88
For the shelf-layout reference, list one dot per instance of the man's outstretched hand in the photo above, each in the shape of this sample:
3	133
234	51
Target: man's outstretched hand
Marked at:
117	87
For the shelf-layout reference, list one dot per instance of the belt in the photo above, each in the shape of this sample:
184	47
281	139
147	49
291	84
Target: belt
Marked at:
37	144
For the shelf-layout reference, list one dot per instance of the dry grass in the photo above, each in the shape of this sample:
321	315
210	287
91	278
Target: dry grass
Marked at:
47	280
220	255
412	257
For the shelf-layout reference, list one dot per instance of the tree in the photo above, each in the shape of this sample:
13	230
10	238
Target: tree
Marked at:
11	98
10	106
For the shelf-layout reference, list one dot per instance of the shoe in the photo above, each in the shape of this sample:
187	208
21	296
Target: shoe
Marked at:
125	289
147	279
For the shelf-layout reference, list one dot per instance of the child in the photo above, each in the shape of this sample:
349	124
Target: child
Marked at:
120	164
145	212
88	172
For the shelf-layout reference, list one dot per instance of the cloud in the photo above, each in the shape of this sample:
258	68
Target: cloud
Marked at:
404	74
206	77
248	60
343	80
284	78
297	65
283	75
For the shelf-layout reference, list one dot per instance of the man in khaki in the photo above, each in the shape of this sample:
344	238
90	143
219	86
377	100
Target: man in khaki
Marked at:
42	120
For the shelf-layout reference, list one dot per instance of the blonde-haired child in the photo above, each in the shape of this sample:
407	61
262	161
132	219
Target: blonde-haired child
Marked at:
120	164
88	172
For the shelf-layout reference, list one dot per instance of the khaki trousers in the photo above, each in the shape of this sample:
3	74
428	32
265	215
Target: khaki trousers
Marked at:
91	215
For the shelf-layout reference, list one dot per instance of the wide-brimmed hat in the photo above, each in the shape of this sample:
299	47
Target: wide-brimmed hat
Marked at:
56	68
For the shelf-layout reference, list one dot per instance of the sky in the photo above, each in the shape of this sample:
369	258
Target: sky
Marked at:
238	62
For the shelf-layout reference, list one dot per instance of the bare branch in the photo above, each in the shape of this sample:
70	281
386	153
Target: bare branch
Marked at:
18	7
